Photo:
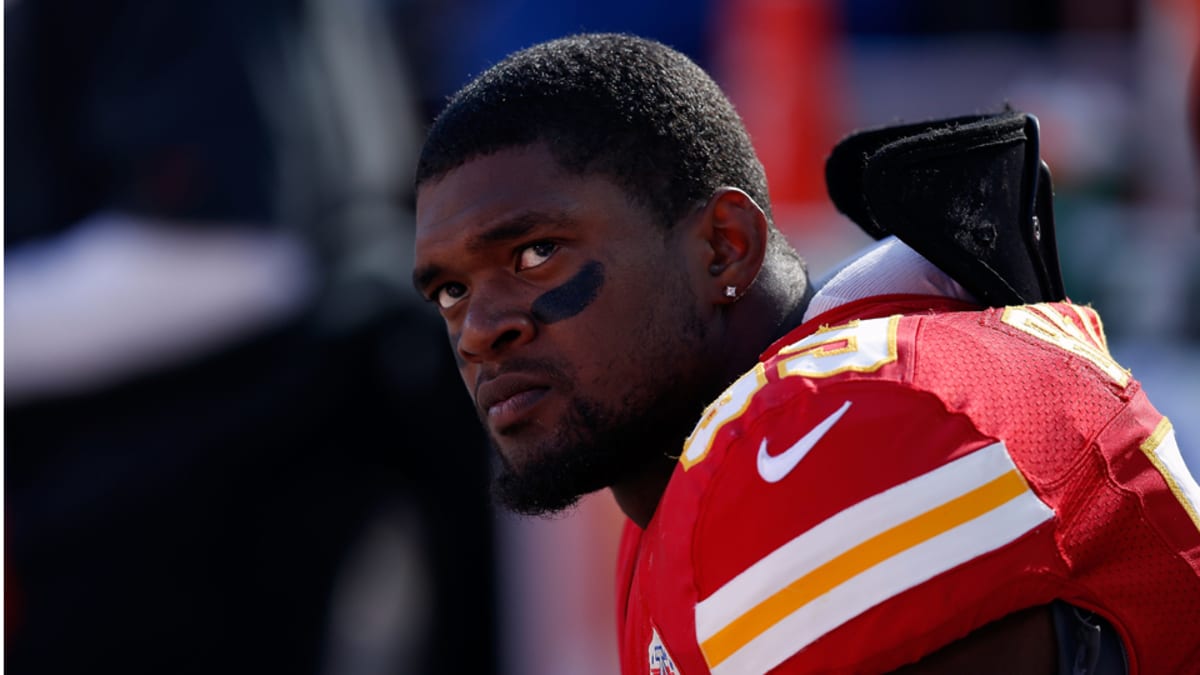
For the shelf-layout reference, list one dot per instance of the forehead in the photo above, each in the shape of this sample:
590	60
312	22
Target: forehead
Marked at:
515	185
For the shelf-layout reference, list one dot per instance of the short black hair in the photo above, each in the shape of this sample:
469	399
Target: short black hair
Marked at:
625	107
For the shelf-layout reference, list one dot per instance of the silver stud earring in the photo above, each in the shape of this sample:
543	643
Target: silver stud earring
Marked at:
731	291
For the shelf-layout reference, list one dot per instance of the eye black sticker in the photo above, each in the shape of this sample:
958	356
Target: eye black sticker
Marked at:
572	297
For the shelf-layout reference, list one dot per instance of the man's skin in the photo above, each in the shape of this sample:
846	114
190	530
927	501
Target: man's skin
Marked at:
558	289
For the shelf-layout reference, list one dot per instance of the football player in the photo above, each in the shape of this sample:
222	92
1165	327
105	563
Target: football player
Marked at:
879	473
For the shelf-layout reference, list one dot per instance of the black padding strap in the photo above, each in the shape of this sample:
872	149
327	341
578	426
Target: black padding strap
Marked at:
1087	644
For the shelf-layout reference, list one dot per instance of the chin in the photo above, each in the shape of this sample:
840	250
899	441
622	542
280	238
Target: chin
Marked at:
546	468
520	449
539	488
552	478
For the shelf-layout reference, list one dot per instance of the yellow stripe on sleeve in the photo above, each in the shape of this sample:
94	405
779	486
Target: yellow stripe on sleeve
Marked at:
862	557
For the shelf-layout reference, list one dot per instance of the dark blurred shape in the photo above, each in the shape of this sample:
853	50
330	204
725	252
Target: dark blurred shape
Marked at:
948	17
146	106
194	521
454	40
221	513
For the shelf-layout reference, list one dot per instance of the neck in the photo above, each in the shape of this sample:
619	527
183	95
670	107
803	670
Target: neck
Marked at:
773	307
638	496
795	316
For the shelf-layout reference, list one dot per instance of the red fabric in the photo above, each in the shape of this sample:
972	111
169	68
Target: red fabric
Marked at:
1119	541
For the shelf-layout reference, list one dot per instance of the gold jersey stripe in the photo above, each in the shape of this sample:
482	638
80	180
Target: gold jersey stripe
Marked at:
858	559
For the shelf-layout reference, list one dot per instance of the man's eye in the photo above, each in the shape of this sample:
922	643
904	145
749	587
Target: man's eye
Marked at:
448	295
535	254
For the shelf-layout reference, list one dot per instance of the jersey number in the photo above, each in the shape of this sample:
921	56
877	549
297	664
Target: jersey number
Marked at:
859	346
1047	324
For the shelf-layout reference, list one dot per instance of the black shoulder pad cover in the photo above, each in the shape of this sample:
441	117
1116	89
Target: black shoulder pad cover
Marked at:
969	193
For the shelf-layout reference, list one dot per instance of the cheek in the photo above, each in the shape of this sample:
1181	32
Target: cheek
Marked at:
572	297
464	367
458	357
629	327
629	338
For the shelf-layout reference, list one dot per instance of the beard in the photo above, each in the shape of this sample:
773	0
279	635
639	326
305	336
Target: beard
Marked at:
581	457
594	446
592	449
597	443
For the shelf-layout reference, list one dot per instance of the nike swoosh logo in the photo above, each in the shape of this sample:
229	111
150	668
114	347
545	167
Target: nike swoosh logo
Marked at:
773	468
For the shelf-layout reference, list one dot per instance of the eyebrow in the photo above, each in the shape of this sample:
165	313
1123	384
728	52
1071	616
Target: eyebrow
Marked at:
506	230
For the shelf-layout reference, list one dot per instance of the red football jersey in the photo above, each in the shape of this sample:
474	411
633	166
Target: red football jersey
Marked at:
901	471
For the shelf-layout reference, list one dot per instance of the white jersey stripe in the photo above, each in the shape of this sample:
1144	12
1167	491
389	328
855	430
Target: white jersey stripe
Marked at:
845	530
887	579
935	511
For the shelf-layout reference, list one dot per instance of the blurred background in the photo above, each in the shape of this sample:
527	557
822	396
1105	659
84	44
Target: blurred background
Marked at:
234	438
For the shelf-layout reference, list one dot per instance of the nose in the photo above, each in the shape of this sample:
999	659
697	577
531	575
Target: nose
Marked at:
495	322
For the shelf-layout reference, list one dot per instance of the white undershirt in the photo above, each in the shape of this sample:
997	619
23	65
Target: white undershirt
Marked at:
888	266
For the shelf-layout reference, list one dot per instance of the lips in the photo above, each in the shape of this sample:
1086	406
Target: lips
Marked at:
505	399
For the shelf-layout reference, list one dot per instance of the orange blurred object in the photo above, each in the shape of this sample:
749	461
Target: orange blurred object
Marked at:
777	61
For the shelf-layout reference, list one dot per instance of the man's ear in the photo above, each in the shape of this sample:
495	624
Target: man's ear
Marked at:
734	229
